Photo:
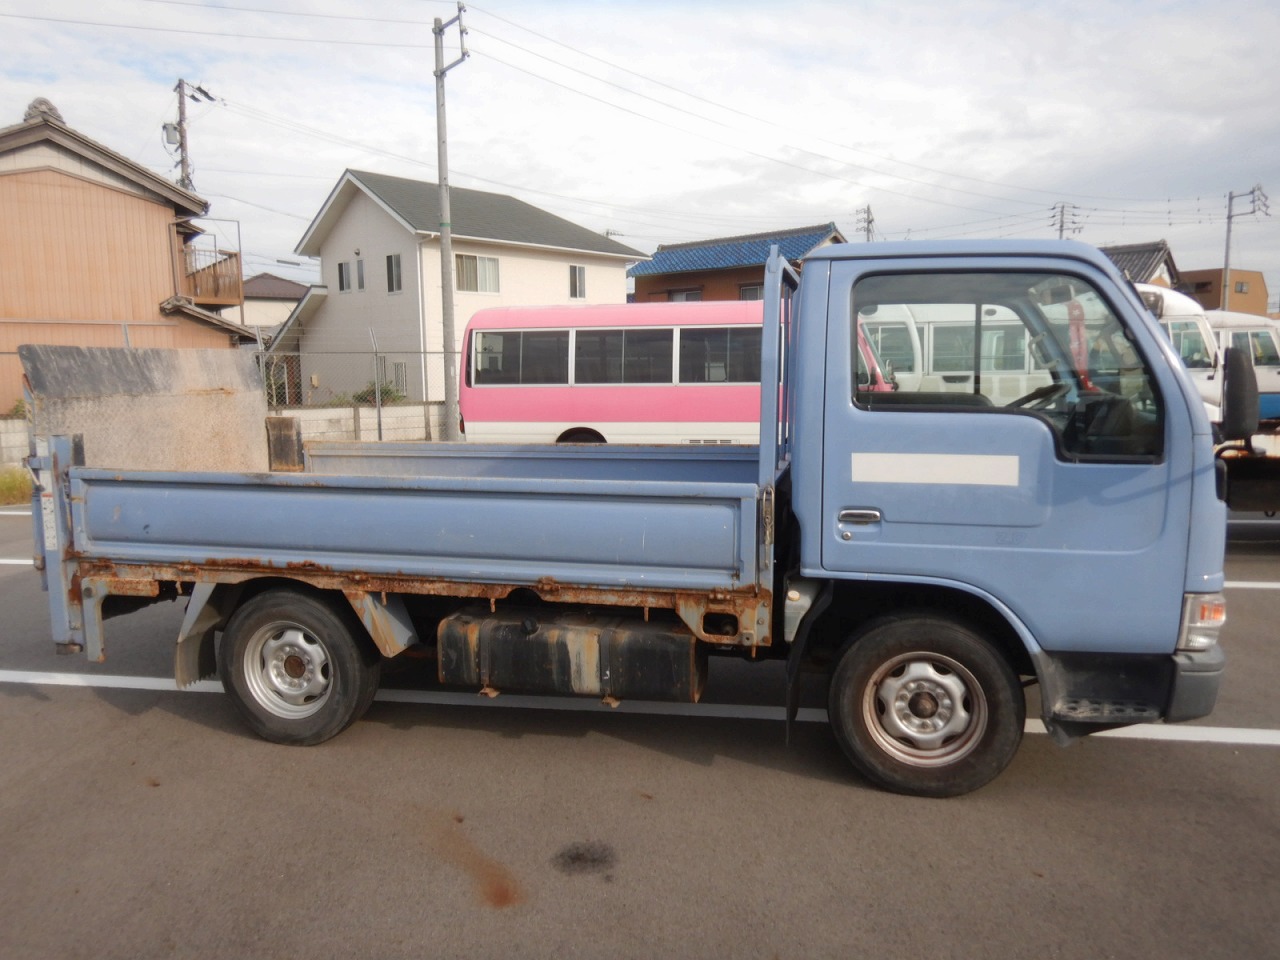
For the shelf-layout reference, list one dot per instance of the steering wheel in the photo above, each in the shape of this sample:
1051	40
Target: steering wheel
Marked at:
1042	397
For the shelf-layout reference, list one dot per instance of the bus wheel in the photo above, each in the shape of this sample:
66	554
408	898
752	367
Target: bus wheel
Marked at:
298	672
924	706
580	436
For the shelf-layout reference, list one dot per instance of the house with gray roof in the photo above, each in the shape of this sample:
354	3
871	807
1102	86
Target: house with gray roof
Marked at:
268	301
1146	263
730	268
377	238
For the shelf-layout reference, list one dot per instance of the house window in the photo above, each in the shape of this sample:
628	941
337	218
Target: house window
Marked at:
359	274
344	276
394	281
477	274
685	296
577	282
400	371
1242	286
751	291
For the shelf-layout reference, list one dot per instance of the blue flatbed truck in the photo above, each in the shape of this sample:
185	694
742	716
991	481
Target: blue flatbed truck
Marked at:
935	554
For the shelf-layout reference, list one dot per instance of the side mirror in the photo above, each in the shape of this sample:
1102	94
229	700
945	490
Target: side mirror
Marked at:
1239	395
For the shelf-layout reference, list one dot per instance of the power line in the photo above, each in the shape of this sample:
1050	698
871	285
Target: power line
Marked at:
720	106
217	33
929	184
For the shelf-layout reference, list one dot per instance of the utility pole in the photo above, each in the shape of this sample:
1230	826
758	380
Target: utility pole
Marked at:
1061	216
1257	199
867	222
450	426
176	134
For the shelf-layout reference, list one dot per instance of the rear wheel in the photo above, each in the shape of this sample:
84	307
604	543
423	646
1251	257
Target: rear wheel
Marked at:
298	671
580	435
925	706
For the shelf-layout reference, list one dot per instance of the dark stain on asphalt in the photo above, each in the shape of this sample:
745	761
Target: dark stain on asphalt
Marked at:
590	856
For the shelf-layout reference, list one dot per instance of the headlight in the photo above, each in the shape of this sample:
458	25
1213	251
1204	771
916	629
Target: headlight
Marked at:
1203	615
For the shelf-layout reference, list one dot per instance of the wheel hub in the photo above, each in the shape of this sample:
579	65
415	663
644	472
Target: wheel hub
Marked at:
925	709
288	671
923	705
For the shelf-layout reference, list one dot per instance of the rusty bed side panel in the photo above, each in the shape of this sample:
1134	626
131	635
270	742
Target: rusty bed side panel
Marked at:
749	607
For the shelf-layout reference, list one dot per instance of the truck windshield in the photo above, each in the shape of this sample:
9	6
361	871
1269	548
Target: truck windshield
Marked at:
1046	345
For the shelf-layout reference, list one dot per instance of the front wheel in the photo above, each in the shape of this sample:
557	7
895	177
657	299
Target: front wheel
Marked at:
924	706
298	671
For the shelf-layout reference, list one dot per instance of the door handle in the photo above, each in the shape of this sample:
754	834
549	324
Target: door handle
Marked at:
861	517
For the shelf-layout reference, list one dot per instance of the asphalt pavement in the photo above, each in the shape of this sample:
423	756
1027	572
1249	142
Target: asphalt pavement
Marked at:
139	821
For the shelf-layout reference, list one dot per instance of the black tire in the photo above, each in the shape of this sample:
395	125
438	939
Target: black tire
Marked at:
298	671
924	706
581	436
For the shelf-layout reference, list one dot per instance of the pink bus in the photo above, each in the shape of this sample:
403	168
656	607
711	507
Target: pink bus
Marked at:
619	373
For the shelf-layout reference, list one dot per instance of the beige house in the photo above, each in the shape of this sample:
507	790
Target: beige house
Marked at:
378	241
268	301
99	251
1248	292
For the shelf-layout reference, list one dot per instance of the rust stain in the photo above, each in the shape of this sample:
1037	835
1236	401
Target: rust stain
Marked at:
495	885
748	607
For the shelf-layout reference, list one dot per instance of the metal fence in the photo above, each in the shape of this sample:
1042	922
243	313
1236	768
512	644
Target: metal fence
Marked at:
345	395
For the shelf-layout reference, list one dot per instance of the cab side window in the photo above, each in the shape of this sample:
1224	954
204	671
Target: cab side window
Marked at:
1025	344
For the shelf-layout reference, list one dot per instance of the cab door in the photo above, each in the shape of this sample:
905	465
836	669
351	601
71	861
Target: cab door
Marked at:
1066	505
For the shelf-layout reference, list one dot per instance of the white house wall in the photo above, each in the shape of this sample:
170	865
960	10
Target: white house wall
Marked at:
260	313
337	345
526	277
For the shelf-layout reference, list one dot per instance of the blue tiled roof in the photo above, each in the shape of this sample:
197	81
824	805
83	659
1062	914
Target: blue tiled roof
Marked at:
731	252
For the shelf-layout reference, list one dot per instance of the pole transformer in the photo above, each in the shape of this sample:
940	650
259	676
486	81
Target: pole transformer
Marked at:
1257	202
176	133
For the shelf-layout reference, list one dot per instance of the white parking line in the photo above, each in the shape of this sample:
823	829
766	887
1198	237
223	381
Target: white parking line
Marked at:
15	513
1178	733
1252	585
6	561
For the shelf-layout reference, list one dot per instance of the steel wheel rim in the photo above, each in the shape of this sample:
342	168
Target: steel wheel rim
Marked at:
925	709
288	671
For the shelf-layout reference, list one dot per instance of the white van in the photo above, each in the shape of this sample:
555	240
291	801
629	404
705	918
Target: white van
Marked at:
1187	327
1258	336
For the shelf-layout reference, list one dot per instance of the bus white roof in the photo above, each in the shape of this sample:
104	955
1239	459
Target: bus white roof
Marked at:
1230	319
697	313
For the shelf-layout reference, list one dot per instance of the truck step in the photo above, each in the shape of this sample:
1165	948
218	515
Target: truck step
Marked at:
1105	711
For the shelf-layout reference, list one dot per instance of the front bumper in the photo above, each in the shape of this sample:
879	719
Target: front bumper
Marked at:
1196	679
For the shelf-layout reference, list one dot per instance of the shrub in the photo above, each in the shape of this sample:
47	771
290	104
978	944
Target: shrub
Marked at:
15	485
369	394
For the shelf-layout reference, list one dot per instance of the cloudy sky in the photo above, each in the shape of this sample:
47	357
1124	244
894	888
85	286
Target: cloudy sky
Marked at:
1121	121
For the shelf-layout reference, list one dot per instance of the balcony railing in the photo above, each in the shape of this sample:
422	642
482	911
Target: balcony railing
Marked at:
210	277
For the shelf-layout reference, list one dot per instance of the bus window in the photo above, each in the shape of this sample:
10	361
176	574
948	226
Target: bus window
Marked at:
1187	339
622	356
720	355
1259	344
892	342
515	357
